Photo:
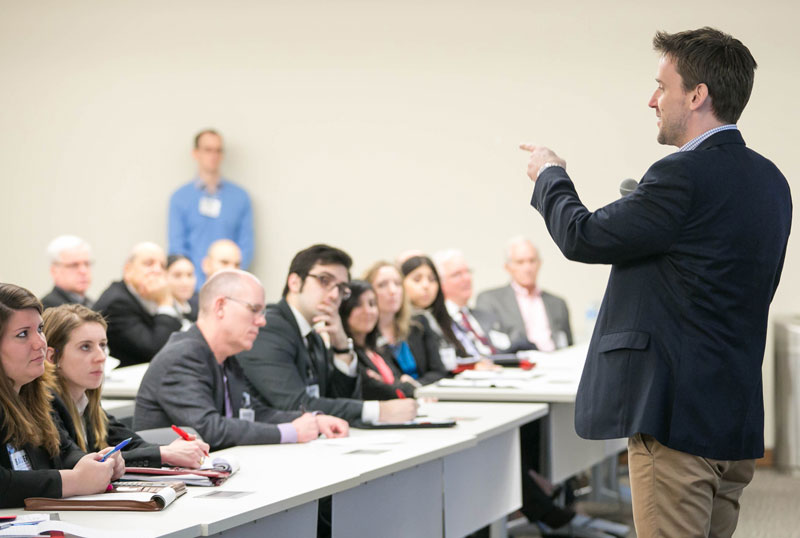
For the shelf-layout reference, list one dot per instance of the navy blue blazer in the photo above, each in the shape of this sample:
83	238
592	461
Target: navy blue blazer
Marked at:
696	252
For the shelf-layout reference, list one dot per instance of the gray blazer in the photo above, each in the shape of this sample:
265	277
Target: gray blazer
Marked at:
503	304
184	386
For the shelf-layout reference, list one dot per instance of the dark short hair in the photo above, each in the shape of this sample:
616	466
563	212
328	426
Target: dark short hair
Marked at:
304	260
716	59
357	289
172	258
199	135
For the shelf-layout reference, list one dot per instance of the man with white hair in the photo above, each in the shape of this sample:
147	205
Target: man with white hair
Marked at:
196	380
71	270
524	310
479	331
139	309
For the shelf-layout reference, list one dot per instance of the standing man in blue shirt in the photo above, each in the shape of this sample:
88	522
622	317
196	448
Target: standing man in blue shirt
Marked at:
209	207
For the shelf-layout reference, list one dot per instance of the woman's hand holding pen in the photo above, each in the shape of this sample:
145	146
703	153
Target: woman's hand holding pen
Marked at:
184	453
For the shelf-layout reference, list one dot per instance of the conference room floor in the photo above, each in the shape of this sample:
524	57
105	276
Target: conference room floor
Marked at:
769	508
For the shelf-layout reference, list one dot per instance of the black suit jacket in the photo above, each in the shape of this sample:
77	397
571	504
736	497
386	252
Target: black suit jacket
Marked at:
277	368
44	480
134	336
424	345
57	297
137	453
184	385
696	252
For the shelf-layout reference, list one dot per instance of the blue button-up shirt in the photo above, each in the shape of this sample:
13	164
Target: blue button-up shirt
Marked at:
191	232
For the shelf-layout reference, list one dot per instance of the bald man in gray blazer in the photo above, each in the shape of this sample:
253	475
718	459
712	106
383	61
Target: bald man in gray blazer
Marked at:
523	309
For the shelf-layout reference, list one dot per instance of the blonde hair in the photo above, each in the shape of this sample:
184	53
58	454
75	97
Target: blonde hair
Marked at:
59	324
27	418
402	318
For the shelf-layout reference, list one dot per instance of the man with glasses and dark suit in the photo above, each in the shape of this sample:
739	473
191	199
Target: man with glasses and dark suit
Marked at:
302	359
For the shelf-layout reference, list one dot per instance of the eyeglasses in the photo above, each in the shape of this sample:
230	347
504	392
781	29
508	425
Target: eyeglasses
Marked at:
256	309
328	282
72	266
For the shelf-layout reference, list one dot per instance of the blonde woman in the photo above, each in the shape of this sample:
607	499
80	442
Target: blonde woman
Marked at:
76	355
37	459
413	344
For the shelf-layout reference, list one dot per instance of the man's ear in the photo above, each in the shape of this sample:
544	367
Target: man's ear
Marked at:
219	307
294	282
700	97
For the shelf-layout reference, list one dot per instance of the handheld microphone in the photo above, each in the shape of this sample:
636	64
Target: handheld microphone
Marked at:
627	186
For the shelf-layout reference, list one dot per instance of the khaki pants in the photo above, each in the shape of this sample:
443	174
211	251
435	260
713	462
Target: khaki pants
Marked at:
678	495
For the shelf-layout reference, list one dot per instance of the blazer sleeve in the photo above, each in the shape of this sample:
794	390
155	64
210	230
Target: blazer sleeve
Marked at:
644	223
138	453
187	395
272	371
424	346
16	486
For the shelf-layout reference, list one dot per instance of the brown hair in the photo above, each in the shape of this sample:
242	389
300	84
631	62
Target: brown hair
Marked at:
59	324
402	319
716	59
199	135
27	418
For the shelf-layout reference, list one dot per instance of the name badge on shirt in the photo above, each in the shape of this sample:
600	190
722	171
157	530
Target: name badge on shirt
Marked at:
312	390
499	340
448	356
247	414
210	207
19	459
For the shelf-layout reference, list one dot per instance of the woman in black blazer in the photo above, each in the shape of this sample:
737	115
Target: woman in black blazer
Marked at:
37	459
381	379
76	354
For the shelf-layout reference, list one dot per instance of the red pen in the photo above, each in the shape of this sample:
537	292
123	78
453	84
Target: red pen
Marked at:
184	435
399	393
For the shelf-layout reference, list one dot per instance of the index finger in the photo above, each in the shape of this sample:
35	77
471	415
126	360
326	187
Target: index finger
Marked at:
527	147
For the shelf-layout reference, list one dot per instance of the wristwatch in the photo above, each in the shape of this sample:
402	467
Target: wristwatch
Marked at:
348	349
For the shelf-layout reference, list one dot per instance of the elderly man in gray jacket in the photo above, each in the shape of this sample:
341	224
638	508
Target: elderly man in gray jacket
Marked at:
195	380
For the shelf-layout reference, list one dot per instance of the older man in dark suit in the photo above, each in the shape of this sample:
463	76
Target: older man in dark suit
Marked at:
196	380
696	250
522	307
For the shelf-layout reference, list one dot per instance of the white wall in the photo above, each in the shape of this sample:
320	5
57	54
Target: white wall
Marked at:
374	126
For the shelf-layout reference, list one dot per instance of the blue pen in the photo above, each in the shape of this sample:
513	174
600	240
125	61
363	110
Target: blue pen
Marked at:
117	448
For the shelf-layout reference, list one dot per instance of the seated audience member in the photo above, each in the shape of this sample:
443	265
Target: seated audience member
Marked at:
209	207
414	346
71	270
222	254
380	378
139	309
76	355
478	331
196	381
421	285
524	310
38	459
291	367
182	283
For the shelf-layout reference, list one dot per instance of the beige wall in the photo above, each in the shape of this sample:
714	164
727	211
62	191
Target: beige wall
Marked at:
374	126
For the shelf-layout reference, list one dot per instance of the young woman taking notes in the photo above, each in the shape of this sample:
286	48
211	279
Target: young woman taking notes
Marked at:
37	459
76	355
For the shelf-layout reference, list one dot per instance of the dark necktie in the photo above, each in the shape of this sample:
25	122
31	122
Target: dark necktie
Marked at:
483	340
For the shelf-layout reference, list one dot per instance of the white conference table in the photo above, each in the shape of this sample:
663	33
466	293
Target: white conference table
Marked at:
422	482
555	381
124	382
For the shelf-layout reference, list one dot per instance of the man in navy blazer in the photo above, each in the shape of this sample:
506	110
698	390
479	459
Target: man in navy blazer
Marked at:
696	251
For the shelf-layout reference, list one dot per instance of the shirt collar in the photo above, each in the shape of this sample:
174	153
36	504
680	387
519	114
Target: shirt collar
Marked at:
74	297
302	322
696	141
82	403
200	185
453	309
521	290
150	306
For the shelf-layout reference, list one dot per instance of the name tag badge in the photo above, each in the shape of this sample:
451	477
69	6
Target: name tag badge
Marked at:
448	356
19	459
247	414
499	340
210	207
312	391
